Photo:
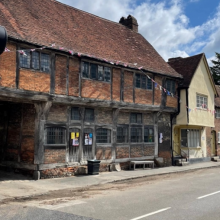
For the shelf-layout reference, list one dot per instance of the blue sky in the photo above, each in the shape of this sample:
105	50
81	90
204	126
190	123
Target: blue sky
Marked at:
174	27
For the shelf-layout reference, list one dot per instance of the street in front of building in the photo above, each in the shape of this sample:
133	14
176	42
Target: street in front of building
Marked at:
188	195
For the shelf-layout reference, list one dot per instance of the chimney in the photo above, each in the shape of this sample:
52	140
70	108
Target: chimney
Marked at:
174	59
129	22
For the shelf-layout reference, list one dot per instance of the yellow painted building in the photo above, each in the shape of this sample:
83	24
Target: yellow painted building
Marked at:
192	129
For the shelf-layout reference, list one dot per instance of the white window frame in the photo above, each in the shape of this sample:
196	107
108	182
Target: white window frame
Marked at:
191	135
201	101
217	113
218	137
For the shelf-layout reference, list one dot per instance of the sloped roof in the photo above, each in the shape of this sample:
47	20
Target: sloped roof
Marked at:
186	67
43	22
217	99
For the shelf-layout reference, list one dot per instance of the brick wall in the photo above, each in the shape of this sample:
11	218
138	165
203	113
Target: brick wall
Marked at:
8	67
74	76
34	81
148	119
54	156
148	150
172	102
60	75
136	151
122	152
123	118
208	142
217	129
28	129
103	153
143	96
104	116
116	84
58	113
128	86
157	91
95	89
164	149
20	133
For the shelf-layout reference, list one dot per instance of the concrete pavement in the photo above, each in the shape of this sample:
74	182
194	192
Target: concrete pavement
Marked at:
18	186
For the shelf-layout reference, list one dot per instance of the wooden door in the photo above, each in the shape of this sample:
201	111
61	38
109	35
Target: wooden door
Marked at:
88	144
73	146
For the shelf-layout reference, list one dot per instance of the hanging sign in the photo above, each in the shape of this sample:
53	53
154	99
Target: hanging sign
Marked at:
73	135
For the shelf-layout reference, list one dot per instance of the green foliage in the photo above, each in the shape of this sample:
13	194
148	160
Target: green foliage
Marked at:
216	69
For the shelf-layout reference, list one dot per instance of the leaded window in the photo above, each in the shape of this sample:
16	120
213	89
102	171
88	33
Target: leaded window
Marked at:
136	118
96	72
136	135
201	101
55	135
75	114
89	114
122	134
171	86
103	135
35	60
25	60
148	134
141	81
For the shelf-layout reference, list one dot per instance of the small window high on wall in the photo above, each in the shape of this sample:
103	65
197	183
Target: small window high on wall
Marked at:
96	72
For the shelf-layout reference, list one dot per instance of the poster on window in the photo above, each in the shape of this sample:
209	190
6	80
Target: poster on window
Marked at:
73	135
88	139
76	142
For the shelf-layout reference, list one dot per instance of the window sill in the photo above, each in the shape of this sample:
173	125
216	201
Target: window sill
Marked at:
96	80
33	70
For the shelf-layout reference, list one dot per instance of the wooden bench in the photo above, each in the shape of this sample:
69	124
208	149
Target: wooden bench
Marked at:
142	162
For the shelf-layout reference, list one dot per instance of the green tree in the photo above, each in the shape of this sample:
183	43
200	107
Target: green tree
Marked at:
216	69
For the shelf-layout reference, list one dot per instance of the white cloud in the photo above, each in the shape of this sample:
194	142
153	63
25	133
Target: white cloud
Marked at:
163	24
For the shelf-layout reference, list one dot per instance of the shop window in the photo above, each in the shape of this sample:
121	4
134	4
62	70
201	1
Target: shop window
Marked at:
136	118
190	138
75	114
136	135
217	113
55	135
122	134
201	101
103	135
96	72
89	114
35	60
148	134
141	81
171	86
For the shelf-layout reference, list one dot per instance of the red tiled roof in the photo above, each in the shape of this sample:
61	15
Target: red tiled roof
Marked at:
44	22
217	99
186	67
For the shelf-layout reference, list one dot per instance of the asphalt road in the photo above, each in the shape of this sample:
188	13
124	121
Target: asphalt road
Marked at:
188	196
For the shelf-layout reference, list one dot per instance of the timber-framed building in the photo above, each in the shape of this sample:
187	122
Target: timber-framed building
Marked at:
74	87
